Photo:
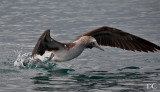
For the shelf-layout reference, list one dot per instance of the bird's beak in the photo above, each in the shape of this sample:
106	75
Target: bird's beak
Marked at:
97	46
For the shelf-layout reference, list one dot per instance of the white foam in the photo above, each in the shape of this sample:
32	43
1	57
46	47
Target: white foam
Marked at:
26	60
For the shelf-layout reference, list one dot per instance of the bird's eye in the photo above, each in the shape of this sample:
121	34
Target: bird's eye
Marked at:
92	43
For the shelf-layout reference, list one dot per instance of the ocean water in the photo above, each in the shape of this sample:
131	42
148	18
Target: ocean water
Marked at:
114	70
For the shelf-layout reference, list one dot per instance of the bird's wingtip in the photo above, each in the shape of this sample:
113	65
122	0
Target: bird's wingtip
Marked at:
47	30
45	34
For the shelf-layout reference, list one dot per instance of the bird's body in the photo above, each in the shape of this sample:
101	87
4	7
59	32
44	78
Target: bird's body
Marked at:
105	36
68	54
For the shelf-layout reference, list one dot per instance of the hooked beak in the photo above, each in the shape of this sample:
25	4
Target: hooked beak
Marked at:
97	46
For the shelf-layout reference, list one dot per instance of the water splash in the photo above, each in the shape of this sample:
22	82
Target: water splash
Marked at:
27	61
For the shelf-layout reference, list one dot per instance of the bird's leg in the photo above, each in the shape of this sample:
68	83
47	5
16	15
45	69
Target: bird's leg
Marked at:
49	59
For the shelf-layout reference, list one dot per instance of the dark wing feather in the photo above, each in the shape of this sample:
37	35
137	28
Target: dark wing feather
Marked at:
108	36
45	42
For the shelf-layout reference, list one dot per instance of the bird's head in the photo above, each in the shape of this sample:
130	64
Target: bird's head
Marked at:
90	42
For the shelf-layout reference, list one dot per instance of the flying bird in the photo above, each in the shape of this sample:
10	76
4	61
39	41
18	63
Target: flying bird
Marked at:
102	36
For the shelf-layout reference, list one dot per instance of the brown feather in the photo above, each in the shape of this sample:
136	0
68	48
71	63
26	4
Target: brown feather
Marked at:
108	36
69	45
45	42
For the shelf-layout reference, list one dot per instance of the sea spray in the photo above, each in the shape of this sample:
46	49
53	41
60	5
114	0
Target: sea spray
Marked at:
27	61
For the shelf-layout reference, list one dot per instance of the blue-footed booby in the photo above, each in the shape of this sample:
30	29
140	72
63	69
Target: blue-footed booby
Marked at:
105	36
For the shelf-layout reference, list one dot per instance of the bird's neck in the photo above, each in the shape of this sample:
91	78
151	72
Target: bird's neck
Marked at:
83	41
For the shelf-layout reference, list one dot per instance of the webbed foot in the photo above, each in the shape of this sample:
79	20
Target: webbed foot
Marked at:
49	59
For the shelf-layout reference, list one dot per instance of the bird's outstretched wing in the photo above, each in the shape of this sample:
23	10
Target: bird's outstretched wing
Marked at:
45	42
108	36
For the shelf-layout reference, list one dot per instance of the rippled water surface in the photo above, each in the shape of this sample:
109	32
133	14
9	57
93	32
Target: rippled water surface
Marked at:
115	70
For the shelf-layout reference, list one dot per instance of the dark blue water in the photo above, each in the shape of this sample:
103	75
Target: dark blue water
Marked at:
115	70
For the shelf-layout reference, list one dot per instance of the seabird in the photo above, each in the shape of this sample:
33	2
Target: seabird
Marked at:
105	36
